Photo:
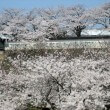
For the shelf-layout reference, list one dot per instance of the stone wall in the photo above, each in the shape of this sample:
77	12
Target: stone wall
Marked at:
66	44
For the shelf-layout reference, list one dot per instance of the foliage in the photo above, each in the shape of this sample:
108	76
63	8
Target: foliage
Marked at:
57	82
43	24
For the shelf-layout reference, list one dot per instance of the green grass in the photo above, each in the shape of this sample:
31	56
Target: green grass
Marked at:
2	56
31	107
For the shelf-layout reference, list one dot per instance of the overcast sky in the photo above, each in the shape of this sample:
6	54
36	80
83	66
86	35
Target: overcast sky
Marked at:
29	4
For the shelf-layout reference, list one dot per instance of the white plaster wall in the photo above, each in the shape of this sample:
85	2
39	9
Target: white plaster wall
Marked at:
60	44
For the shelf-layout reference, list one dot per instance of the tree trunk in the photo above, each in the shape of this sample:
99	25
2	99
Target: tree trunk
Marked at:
78	30
78	33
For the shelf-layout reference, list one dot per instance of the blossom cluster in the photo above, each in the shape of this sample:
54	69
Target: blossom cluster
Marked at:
68	83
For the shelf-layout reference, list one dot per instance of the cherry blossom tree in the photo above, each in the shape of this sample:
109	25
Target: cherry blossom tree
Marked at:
22	27
106	14
52	23
13	22
51	20
100	15
78	83
75	18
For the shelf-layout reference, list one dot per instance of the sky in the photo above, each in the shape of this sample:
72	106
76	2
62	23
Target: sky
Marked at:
29	4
